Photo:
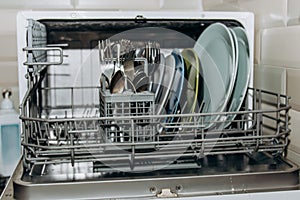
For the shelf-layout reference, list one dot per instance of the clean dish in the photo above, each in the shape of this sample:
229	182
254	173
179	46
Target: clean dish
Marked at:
141	81
235	57
176	90
158	76
167	82
117	84
129	64
215	49
243	73
192	72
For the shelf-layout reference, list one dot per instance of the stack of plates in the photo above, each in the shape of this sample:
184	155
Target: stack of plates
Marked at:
224	56
212	77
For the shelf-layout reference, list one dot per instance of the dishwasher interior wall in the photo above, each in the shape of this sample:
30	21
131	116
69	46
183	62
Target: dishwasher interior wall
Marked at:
81	32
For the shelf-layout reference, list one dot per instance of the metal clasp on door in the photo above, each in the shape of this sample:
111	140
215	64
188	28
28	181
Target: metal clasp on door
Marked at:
166	193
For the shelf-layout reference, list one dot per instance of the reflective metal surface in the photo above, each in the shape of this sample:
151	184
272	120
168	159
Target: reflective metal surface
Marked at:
215	175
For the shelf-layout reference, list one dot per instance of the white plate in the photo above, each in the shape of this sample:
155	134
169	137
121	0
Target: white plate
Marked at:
167	82
236	55
243	73
192	71
177	86
215	49
158	76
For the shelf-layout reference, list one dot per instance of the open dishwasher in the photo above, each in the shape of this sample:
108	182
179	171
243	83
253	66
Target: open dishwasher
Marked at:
84	137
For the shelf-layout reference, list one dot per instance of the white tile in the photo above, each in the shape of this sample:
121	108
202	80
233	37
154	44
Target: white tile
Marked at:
293	80
257	41
294	156
208	4
8	21
177	4
294	146
37	4
270	78
8	73
295	129
280	46
223	5
119	4
293	11
268	13
8	48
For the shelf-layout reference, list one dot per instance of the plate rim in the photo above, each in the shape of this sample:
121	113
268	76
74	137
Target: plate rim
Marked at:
244	42
198	71
166	96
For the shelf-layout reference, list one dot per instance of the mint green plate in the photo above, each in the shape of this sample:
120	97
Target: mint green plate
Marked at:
243	73
216	51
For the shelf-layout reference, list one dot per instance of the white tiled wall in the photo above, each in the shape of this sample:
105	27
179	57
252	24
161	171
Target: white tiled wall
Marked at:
294	149
118	4
268	13
270	78
37	4
8	21
280	46
293	90
178	4
8	48
293	12
137	4
9	73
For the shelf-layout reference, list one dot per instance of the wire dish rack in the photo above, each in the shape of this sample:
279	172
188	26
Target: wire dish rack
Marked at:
76	131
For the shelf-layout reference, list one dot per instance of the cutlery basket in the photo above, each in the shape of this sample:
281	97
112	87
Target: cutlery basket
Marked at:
128	104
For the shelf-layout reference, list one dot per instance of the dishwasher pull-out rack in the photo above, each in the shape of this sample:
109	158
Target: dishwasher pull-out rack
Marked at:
76	133
72	154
